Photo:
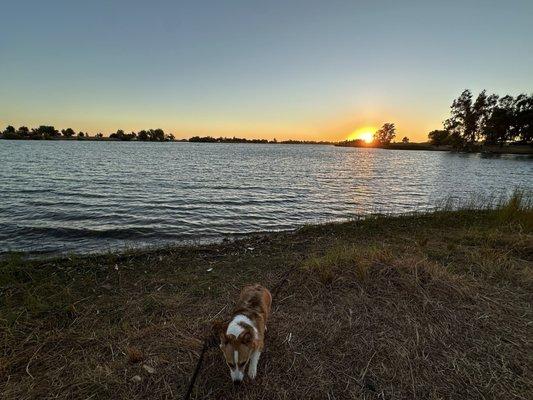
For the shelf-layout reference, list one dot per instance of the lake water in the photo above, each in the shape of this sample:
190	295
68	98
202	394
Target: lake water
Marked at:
70	196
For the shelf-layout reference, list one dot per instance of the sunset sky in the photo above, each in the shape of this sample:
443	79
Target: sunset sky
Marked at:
316	70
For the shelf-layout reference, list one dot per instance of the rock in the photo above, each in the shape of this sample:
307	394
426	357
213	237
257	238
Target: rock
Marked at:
149	369
136	378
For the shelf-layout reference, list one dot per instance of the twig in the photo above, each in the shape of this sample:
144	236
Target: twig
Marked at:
31	358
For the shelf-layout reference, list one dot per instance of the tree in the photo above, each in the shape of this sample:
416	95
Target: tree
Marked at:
69	132
45	132
10	133
405	140
498	128
523	118
142	135
119	134
23	131
438	137
156	135
385	135
483	108
468	119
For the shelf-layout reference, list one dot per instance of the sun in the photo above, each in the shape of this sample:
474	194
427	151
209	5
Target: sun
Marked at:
368	137
366	134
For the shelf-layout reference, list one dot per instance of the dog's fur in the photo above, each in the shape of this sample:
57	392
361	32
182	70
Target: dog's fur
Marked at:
242	338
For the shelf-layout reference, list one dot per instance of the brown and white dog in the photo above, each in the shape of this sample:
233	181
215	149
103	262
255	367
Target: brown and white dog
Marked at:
242	338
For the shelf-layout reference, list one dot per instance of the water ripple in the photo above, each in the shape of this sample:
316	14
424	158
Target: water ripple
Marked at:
81	197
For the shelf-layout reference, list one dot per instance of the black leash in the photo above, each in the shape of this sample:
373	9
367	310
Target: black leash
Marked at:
209	343
212	341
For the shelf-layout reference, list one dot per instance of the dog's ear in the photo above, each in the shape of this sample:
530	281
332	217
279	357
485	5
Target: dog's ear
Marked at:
219	329
248	339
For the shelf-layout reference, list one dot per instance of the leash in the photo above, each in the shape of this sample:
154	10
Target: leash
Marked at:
209	342
212	340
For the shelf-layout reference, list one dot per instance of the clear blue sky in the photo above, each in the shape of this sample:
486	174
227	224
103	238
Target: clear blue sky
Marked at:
299	69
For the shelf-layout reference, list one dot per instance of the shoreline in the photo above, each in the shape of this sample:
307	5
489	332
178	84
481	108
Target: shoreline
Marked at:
396	300
488	149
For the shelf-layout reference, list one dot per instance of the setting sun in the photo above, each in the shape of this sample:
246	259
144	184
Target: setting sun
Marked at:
366	134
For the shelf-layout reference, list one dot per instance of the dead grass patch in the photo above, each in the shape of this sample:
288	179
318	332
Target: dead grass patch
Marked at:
425	306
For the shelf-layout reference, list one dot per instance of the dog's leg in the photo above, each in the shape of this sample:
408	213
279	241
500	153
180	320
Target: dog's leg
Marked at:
254	359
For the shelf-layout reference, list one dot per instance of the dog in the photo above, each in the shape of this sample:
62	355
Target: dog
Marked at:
242	338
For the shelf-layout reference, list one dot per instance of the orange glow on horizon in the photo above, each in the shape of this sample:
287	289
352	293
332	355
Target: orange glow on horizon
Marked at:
366	134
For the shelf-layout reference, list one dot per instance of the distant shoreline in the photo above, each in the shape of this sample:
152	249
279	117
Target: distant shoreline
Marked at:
488	149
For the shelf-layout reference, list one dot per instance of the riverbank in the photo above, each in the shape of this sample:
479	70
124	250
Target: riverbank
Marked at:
425	306
486	149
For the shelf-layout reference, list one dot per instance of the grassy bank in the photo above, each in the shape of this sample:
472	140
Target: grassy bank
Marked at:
428	306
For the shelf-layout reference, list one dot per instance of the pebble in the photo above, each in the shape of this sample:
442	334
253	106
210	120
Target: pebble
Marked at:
136	378
149	369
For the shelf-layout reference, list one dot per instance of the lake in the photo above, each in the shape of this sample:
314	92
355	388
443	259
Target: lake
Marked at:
75	196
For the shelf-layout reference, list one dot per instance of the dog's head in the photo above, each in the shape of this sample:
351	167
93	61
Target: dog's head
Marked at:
237	345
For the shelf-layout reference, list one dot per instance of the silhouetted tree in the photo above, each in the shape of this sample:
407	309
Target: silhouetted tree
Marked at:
405	139
45	132
23	132
385	134
438	137
498	128
523	117
119	134
69	132
456	141
483	107
142	135
468	118
10	133
156	135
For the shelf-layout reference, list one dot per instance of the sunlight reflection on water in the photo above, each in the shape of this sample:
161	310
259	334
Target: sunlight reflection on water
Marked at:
92	196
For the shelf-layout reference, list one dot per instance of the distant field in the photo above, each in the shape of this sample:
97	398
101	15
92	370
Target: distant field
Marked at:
430	306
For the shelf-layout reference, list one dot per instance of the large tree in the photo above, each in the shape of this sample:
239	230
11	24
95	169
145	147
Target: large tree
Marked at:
385	134
523	117
469	117
498	127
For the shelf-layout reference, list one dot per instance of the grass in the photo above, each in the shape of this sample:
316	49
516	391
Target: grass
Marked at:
426	306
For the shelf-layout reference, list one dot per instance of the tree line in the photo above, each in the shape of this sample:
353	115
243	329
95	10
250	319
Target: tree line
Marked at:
210	139
487	119
48	132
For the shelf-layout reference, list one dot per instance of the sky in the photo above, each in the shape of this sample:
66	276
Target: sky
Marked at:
316	70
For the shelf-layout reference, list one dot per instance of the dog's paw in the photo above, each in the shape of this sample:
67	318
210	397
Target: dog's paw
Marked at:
252	372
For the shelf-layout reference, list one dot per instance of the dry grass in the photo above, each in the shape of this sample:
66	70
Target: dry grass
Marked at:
431	306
